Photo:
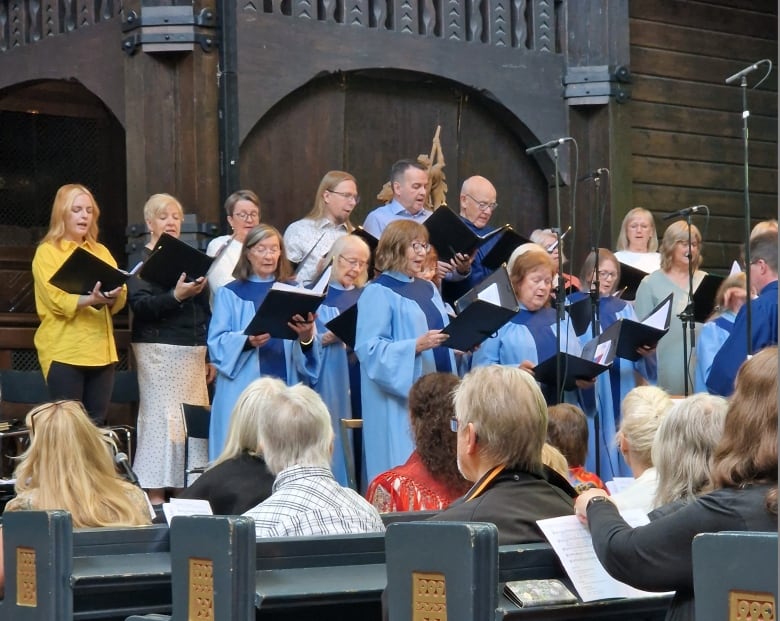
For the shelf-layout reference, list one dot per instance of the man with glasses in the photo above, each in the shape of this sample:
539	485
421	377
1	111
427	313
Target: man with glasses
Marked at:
477	205
763	277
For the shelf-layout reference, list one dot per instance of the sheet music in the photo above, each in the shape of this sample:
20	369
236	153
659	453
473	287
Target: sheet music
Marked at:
657	319
618	484
572	543
490	294
186	506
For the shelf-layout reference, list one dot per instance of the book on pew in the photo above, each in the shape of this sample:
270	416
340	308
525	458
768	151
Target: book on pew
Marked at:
482	311
530	593
169	258
185	506
630	277
504	247
450	235
344	326
281	303
572	542
704	297
82	269
631	335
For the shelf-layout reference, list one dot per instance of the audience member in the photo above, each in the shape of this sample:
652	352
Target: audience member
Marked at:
657	557
239	358
169	344
501	421
308	240
239	479
643	410
75	339
676	259
683	448
763	276
398	339
243	214
429	480
409	182
567	430
339	380
637	243
297	439
729	299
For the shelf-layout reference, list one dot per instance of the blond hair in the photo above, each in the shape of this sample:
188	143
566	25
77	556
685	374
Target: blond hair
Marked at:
677	232
69	466
642	410
636	212
63	201
157	203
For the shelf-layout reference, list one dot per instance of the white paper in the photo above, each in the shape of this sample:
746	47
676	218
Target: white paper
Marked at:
658	318
572	543
736	268
186	506
619	484
602	351
490	294
283	286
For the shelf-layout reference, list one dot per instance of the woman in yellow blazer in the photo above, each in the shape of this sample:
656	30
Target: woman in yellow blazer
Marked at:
75	340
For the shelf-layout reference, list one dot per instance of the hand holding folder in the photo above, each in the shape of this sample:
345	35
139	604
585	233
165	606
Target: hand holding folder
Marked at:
172	257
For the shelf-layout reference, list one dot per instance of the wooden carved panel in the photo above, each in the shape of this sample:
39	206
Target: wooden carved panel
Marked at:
201	595
26	580
429	597
751	606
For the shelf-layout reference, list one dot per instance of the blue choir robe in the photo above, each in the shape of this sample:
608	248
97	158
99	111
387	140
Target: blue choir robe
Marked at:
389	323
339	377
711	338
453	289
606	396
734	351
238	364
532	336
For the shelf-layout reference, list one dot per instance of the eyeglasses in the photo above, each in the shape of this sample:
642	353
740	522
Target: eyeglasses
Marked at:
51	406
483	205
607	275
246	216
454	425
347	195
261	251
420	247
355	263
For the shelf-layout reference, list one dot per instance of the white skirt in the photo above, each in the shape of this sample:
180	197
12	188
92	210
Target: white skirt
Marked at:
168	375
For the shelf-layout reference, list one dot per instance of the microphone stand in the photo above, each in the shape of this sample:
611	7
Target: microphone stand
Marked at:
560	291
687	317
745	169
595	327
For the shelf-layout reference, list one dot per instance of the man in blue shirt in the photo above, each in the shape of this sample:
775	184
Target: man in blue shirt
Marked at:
763	276
408	180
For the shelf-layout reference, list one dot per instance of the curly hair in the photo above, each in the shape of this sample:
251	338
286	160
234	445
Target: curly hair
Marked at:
430	409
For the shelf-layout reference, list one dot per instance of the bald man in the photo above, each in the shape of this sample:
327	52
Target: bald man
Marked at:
477	204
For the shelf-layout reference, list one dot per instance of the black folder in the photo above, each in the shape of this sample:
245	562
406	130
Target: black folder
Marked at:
344	326
372	242
629	335
82	269
171	257
704	297
580	313
482	311
282	302
450	235
630	277
503	248
572	368
277	309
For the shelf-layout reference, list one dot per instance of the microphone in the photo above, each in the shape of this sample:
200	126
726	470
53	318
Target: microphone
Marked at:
743	72
122	460
548	145
685	212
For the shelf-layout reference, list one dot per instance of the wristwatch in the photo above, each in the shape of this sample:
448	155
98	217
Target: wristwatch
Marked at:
596	499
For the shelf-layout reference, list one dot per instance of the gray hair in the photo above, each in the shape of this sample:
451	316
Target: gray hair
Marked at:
684	444
508	412
295	429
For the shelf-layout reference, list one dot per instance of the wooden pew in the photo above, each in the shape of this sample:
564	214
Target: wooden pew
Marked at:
458	568
56	573
735	576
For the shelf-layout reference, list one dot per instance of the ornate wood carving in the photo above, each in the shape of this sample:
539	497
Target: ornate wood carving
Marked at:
378	13
305	9
356	13
429	597
405	17
453	16
544	25
428	18
519	25
475	21
751	606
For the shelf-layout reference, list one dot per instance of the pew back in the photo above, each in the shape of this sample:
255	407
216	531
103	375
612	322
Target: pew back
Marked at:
735	576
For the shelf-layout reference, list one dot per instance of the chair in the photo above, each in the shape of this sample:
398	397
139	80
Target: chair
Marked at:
196	419
125	392
346	447
19	391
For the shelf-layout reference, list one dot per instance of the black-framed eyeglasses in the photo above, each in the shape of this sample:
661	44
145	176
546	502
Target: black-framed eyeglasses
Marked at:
348	195
246	216
483	205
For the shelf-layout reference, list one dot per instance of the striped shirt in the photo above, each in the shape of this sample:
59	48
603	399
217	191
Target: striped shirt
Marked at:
307	500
